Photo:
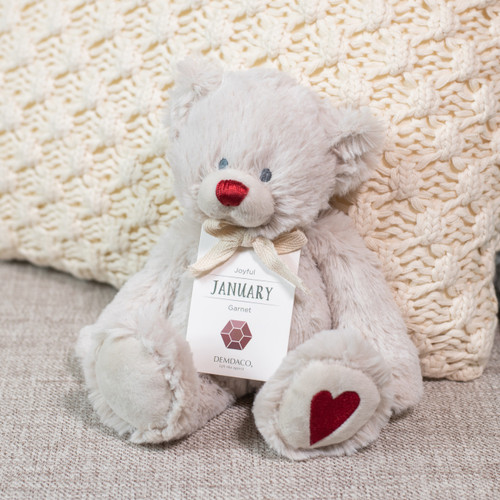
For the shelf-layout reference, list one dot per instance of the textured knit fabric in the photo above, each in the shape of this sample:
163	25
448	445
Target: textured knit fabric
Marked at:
84	186
53	446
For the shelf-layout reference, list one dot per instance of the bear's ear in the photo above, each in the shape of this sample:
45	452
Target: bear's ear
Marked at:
194	79
356	139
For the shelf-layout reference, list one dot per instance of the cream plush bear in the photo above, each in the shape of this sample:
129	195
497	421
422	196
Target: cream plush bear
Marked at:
260	153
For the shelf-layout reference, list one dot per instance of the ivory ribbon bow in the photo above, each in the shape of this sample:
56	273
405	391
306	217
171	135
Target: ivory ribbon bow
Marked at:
232	237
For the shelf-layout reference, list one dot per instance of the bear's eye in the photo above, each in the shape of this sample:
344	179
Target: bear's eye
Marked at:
265	175
222	164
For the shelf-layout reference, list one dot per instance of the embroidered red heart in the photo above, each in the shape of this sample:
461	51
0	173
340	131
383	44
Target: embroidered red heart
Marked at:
328	414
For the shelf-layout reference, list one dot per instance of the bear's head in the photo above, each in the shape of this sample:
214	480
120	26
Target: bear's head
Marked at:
258	150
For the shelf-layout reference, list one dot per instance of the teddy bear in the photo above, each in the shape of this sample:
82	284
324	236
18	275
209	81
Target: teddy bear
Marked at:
258	156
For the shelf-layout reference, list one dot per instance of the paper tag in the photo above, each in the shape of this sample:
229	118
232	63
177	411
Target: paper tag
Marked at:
240	315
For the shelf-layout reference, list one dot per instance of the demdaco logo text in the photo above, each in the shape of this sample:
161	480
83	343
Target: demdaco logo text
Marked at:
233	361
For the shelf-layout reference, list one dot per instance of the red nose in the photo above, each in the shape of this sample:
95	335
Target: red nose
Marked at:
231	193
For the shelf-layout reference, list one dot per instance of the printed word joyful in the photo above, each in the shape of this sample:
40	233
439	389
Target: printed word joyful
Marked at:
244	272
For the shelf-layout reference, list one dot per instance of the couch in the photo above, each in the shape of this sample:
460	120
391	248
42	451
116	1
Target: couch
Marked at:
53	445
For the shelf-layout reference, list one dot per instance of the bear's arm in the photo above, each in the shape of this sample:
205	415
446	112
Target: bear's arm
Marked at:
158	282
357	292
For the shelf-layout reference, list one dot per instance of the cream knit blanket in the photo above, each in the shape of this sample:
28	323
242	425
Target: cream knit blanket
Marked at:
84	186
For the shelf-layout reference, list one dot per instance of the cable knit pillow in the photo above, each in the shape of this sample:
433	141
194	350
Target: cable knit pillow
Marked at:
84	186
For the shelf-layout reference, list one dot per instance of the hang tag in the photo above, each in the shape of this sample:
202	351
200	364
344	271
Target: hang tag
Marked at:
240	315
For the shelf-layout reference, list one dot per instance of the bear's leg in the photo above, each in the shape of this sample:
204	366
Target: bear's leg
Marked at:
143	382
330	396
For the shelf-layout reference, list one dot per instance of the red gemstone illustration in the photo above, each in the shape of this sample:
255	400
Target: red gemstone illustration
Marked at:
236	334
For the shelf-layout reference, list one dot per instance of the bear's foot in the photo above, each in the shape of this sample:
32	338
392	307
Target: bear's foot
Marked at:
331	396
131	388
326	404
146	386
